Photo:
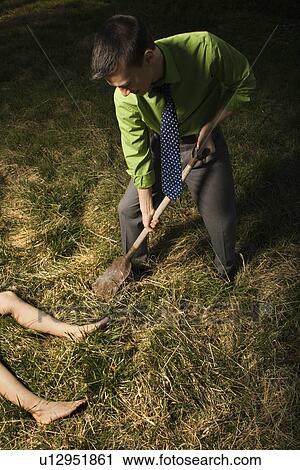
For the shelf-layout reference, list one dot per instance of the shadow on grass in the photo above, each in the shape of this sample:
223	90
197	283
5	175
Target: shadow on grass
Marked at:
268	209
2	185
46	136
65	31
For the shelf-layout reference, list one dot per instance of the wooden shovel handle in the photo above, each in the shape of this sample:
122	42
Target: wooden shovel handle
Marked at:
197	155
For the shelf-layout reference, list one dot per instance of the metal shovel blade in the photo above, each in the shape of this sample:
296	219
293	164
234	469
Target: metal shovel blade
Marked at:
109	282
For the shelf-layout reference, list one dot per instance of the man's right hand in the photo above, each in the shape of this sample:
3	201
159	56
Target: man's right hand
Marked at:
147	209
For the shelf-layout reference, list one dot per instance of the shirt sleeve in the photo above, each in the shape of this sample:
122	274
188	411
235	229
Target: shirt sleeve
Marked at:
234	72
135	142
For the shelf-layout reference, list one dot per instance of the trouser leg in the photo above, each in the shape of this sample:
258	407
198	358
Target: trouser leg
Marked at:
130	216
212	189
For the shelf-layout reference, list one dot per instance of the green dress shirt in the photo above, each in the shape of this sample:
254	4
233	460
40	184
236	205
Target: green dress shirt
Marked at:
204	71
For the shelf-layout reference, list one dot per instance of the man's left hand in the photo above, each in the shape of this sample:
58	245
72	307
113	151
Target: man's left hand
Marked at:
205	141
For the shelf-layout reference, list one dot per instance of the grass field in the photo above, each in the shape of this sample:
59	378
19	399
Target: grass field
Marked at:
189	362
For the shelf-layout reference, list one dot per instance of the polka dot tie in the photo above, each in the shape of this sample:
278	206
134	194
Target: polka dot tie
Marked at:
170	148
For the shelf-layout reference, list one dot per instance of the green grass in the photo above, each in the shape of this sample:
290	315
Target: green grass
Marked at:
189	362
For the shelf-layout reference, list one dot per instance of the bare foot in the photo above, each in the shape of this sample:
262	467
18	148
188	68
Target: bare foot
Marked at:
47	411
79	332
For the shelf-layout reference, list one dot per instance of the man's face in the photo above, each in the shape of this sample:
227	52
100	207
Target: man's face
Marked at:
132	79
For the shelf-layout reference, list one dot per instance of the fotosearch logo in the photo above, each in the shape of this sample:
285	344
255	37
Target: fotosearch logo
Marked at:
191	460
140	314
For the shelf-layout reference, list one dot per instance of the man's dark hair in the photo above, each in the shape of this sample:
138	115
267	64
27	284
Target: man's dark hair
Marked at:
122	38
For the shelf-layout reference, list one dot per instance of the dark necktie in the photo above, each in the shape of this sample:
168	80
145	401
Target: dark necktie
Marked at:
170	148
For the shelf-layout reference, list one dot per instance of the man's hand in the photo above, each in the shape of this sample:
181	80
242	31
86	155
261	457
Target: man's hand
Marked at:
147	209
206	141
204	137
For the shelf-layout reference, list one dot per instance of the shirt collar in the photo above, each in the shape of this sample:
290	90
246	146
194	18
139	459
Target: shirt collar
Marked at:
171	71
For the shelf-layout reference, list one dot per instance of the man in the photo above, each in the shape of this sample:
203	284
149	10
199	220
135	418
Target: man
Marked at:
203	80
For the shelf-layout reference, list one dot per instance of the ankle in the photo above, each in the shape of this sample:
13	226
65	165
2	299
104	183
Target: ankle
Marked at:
37	407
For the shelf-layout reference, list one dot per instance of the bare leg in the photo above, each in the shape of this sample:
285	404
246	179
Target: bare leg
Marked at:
44	412
31	317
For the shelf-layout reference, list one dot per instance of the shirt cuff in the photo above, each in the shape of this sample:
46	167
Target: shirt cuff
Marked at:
143	181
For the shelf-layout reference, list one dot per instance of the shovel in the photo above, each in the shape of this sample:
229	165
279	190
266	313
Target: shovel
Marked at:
107	284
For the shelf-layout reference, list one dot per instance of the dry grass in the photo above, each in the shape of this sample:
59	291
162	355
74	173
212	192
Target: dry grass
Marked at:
189	362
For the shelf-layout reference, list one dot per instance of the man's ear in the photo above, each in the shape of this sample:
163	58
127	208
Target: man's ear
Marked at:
149	56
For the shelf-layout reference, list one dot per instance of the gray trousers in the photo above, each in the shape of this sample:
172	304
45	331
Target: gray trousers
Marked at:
212	189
